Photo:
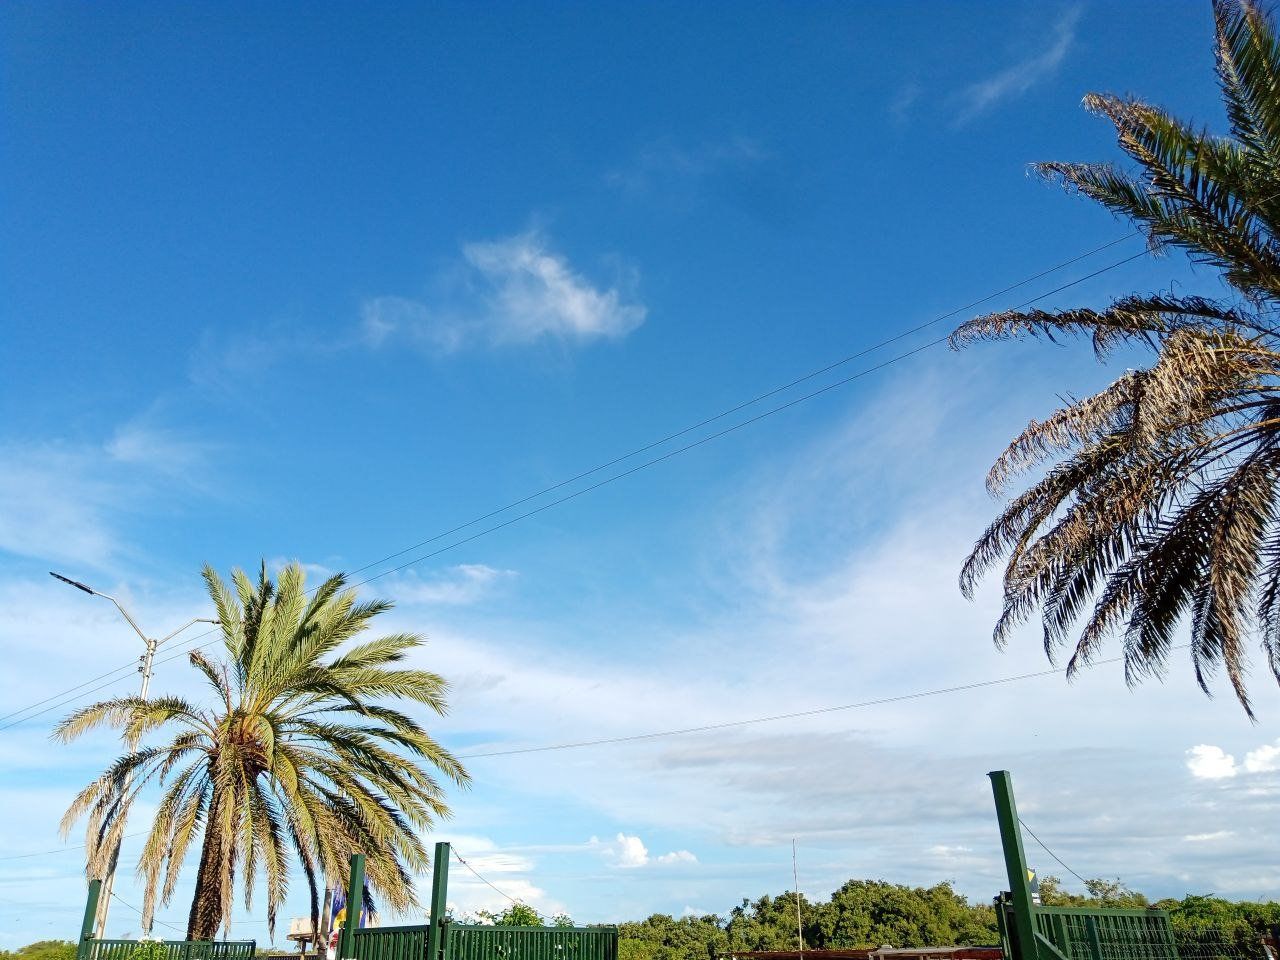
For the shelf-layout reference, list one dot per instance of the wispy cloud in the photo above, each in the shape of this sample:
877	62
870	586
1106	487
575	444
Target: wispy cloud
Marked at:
62	500
663	163
512	291
902	102
979	97
461	585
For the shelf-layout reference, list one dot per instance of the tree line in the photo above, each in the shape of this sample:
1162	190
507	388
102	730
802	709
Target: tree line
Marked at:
873	913
861	913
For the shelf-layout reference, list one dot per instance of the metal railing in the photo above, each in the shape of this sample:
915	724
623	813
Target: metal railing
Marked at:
483	942
391	943
94	949
1085	933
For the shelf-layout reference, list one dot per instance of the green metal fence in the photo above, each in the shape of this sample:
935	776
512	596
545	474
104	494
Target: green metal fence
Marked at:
1030	931
93	949
446	939
90	947
464	941
391	943
473	942
1095	934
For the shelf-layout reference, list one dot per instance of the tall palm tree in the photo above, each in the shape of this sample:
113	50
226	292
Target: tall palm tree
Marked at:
1154	501
299	757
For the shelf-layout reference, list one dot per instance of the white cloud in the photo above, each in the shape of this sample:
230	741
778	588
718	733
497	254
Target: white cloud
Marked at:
625	851
1208	762
676	856
461	585
1265	759
1213	763
62	500
511	291
508	872
629	852
389	317
535	293
665	165
1013	81
1208	837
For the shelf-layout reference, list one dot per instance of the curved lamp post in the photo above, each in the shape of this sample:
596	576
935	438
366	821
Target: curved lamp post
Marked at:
145	664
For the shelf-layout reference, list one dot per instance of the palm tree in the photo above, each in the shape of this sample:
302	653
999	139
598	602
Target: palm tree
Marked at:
1154	502
299	756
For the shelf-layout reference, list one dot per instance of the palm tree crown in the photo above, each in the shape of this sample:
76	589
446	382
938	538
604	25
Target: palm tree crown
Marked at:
1156	502
299	757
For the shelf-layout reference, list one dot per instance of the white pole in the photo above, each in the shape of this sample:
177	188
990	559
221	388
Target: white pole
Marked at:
147	661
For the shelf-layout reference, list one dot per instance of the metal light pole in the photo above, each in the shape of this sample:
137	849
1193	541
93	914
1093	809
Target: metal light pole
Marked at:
144	667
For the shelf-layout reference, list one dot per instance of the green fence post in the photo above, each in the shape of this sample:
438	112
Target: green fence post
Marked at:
1095	939
1015	863
436	944
90	913
355	905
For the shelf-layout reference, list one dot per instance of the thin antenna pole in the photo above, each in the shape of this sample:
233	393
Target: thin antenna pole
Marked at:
795	876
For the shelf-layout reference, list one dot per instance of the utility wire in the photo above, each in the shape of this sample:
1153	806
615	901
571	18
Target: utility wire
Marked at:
63	849
497	890
649	463
101	676
153	919
1050	852
747	403
797	714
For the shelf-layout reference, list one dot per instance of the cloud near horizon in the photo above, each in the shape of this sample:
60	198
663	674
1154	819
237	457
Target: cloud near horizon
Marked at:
512	291
1208	762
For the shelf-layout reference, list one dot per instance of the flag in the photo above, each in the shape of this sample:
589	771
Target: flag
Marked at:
339	911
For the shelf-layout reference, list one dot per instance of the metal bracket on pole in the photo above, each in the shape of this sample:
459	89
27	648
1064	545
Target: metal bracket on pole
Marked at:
355	906
1015	861
439	900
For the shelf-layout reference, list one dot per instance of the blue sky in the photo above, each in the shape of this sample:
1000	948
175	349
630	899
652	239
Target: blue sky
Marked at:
318	283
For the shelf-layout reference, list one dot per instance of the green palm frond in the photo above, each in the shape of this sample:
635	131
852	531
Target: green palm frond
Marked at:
302	760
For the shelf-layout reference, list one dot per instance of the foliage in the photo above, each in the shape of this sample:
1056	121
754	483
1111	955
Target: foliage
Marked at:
661	937
1099	893
519	915
1201	919
42	950
149	950
873	912
859	914
300	754
1156	498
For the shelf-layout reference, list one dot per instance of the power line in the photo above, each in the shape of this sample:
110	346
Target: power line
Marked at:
704	728
1050	852
141	914
794	715
64	849
38	703
63	697
748	403
476	874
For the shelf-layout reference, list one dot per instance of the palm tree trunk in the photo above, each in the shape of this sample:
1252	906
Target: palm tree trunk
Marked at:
206	902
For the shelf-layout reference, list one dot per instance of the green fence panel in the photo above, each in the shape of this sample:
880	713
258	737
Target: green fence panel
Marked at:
1084	933
391	943
482	942
476	942
176	949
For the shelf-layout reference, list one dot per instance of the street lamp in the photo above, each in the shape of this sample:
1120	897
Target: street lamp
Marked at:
144	667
